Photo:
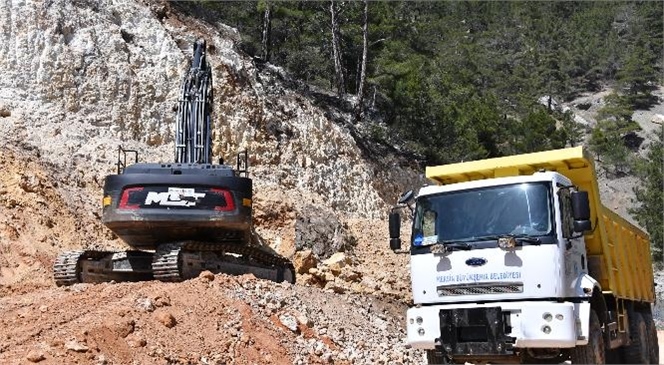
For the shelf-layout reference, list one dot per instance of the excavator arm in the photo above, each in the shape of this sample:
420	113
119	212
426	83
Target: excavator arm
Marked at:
193	137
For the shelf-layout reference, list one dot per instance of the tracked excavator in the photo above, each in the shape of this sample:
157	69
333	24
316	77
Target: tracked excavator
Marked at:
180	218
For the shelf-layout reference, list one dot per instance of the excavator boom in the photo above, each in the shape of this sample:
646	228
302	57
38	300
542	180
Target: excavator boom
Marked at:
193	139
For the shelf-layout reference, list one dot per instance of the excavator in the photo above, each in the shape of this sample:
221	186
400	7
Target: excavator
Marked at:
179	218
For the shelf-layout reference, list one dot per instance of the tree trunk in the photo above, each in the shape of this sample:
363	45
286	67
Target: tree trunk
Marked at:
363	71
267	30
336	50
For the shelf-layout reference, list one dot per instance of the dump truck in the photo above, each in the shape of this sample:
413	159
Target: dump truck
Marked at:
182	217
515	260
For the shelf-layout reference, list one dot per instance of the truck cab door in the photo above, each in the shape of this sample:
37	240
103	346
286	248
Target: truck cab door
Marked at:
575	264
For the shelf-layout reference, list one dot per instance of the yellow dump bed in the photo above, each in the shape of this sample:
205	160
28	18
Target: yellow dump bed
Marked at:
618	252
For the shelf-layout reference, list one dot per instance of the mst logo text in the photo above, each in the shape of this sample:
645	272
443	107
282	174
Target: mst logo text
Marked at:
174	197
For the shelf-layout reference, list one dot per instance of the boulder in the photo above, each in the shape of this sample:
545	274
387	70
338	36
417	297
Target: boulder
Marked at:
337	262
75	346
166	319
335	287
135	341
351	275
122	327
318	229
206	275
35	356
303	261
145	304
289	322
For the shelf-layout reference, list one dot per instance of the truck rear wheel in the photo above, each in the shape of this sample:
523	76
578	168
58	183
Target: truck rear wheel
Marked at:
637	351
653	344
593	352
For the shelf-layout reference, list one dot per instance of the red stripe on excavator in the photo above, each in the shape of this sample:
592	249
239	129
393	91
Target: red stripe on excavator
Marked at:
228	197
124	200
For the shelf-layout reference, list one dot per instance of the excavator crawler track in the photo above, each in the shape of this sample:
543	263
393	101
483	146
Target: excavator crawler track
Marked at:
95	266
181	261
166	263
172	262
66	268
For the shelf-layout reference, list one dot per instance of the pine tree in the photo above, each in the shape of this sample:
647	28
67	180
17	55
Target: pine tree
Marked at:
460	80
638	77
607	139
650	195
537	132
570	131
606	142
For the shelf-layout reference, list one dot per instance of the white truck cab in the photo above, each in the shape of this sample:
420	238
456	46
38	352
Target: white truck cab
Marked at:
500	272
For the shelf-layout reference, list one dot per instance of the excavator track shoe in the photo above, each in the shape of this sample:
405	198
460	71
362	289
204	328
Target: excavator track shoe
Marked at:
66	268
166	263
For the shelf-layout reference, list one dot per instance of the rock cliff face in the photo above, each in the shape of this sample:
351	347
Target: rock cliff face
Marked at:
79	78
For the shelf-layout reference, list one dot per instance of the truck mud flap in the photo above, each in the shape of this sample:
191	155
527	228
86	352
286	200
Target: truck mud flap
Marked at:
474	332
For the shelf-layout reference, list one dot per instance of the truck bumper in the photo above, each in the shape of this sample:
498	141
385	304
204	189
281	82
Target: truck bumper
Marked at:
497	328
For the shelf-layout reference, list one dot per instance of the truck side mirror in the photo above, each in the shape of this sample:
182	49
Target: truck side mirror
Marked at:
582	226
581	211
395	231
405	197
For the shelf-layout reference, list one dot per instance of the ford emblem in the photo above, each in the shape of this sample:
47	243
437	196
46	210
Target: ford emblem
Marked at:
475	261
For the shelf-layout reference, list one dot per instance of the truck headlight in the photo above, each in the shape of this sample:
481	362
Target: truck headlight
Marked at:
420	331
419	320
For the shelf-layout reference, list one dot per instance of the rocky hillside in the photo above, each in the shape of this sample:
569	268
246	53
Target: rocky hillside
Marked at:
616	191
81	78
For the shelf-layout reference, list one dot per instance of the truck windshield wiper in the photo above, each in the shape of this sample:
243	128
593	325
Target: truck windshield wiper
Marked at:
520	238
456	245
448	246
486	238
526	238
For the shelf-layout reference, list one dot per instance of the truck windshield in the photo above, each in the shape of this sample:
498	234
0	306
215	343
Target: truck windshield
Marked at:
472	215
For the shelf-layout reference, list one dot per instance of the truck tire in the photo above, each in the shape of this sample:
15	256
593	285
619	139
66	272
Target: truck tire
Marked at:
614	356
435	357
526	357
637	351
593	352
653	343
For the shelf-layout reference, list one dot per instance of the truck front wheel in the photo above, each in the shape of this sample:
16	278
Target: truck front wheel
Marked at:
593	352
543	356
435	357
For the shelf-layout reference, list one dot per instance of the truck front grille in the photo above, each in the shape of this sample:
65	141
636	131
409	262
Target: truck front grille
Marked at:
473	289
